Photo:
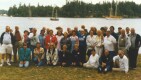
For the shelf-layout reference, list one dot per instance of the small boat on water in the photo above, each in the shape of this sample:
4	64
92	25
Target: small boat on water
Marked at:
54	15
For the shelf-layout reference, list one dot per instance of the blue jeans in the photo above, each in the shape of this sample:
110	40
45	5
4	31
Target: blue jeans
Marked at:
37	62
24	65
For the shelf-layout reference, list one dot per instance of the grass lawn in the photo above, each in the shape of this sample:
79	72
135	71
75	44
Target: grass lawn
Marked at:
64	73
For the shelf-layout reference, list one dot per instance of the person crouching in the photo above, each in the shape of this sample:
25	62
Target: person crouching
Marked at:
105	62
24	56
93	61
52	55
38	55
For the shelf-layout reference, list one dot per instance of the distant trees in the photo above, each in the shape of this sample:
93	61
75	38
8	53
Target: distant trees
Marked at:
77	9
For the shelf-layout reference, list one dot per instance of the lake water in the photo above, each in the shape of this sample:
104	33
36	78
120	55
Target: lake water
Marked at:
25	23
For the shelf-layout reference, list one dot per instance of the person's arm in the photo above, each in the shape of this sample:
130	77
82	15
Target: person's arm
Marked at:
88	42
126	65
114	40
43	53
128	44
19	54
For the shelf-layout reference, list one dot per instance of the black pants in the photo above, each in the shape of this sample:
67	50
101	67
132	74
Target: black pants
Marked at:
83	53
133	54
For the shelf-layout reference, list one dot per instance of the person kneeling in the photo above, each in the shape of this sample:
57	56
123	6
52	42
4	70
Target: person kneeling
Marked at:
77	57
65	57
122	60
24	56
52	55
93	61
38	55
105	62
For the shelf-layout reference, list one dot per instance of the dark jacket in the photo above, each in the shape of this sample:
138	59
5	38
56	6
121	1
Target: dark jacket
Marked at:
65	57
106	59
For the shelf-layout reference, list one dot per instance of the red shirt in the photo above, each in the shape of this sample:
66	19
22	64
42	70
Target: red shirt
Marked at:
50	39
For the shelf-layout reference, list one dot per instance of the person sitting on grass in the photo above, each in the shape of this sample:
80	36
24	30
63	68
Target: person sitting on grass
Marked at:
24	56
77	57
65	57
38	55
52	55
122	60
105	62
93	61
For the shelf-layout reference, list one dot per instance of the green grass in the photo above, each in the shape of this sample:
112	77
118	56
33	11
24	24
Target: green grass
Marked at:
64	73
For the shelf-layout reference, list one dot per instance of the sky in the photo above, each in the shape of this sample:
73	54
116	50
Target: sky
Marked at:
5	4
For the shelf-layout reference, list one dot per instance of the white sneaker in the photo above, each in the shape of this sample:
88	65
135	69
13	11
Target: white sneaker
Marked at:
8	64
1	65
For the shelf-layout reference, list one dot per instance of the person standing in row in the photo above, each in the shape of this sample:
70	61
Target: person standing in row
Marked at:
66	41
18	42
124	42
82	44
109	43
90	40
33	41
99	42
7	42
50	38
133	50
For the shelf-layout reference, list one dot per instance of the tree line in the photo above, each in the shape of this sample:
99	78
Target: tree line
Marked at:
77	9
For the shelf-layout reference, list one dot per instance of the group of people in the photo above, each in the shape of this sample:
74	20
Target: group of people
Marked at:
101	49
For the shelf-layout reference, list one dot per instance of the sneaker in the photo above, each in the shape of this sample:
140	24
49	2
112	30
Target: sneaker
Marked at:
1	65
8	64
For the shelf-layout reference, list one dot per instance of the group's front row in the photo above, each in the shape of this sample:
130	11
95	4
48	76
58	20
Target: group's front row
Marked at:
103	63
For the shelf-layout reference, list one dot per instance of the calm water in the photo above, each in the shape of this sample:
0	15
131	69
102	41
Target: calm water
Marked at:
39	22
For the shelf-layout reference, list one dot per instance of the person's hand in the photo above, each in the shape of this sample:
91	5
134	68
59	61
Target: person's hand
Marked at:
21	62
103	64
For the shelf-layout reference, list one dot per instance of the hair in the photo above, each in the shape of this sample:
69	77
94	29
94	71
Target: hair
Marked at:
112	27
24	44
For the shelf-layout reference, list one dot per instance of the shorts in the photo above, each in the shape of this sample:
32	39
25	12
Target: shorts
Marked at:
6	48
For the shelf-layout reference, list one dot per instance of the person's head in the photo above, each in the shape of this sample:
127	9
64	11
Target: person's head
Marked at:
31	29
7	28
59	33
42	32
65	34
119	29
108	33
121	53
26	32
64	47
106	52
82	31
99	32
83	26
112	28
127	30
38	45
123	32
50	32
16	28
132	31
68	29
76	28
73	33
76	46
93	52
34	30
24	45
91	32
44	28
51	46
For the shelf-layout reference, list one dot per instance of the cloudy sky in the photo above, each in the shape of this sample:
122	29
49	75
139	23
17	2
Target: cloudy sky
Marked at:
5	4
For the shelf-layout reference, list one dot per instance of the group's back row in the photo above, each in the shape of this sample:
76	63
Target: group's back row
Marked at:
72	47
